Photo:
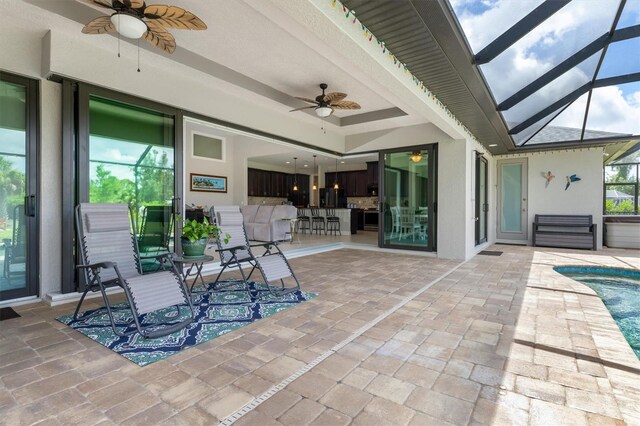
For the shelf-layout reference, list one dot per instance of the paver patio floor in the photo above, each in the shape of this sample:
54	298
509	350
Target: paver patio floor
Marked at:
498	340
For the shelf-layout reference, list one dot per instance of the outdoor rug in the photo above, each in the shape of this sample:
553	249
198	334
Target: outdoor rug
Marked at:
216	313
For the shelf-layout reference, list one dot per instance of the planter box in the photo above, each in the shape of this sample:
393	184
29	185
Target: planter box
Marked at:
621	233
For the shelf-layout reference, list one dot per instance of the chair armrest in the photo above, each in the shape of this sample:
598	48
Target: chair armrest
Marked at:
265	244
233	249
157	256
97	265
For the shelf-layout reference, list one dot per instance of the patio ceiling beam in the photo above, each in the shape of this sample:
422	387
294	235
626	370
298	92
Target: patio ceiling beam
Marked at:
569	63
519	30
621	79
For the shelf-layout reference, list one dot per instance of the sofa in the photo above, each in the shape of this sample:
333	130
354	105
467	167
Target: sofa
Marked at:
268	223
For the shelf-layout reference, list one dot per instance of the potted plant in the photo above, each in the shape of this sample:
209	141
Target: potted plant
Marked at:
195	236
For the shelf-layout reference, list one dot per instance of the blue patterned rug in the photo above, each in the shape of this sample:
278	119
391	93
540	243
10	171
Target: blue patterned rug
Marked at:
216	313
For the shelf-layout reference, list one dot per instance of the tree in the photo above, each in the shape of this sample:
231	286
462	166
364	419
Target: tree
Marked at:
12	184
154	177
106	188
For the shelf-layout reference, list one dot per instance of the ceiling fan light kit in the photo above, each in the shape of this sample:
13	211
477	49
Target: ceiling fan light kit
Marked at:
128	26
323	111
416	157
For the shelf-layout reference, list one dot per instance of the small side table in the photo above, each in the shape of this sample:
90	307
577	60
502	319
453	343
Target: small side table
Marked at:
196	262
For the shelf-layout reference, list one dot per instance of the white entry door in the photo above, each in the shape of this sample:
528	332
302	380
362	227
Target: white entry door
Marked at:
512	200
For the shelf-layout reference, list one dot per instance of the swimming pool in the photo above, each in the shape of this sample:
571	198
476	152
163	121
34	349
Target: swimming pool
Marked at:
619	289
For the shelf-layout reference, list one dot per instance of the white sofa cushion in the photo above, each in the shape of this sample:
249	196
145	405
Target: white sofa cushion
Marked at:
264	214
249	212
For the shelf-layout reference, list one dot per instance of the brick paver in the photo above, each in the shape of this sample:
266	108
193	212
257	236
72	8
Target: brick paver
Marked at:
501	340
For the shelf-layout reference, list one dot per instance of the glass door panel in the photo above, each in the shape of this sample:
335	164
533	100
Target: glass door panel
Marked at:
131	160
407	191
17	197
513	200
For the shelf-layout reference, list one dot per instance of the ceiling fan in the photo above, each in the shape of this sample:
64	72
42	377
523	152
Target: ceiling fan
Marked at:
325	104
134	19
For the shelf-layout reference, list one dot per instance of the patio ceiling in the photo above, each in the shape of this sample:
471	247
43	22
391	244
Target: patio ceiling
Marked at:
248	50
539	75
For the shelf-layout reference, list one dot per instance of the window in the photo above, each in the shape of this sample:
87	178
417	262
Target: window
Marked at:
621	189
208	147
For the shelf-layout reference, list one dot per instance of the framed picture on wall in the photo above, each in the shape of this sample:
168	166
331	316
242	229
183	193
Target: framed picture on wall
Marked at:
208	183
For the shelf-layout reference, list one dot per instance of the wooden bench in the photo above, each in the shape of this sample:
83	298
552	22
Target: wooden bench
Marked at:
572	231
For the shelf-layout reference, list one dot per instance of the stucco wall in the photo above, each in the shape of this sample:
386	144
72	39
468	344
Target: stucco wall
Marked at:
583	197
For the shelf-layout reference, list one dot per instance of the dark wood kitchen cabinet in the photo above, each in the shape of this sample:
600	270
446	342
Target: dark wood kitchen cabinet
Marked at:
354	183
372	173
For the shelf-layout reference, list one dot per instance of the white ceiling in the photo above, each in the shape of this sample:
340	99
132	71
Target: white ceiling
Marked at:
246	41
242	39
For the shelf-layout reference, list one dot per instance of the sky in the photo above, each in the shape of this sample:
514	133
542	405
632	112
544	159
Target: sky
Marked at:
613	108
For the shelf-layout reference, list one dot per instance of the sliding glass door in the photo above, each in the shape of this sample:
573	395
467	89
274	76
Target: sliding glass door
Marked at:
131	160
408	198
18	187
128	150
482	206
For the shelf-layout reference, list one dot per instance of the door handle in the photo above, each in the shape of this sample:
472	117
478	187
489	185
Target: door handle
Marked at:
175	206
30	205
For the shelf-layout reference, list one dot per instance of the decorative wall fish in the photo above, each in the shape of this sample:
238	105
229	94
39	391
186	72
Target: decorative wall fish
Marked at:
572	178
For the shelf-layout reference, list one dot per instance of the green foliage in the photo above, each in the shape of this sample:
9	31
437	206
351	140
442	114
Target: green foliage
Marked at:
106	188
155	179
622	207
12	183
194	230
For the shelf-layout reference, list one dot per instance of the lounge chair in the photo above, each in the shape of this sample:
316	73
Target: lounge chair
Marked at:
272	264
109	256
15	249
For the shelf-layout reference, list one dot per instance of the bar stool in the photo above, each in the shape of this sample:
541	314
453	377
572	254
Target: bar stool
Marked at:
333	222
317	220
303	223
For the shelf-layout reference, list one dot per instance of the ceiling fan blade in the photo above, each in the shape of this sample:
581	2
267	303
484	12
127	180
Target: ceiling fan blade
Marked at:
334	97
311	101
306	107
134	4
159	37
345	105
100	25
174	17
104	3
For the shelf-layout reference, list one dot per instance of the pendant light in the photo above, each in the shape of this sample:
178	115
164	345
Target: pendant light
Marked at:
315	187
416	156
295	173
335	185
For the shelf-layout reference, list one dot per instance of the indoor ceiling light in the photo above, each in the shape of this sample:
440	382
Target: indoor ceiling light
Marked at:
492	145
323	111
128	26
416	157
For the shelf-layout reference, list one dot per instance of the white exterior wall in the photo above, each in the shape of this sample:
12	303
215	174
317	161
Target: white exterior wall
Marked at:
583	197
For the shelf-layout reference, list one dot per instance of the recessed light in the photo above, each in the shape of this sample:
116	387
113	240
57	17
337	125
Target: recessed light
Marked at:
288	162
492	145
306	165
342	162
